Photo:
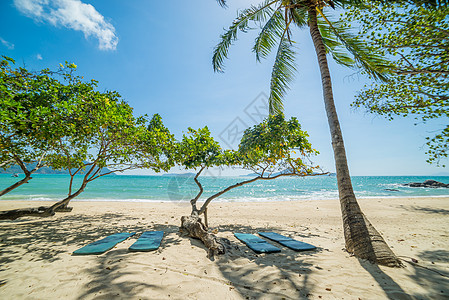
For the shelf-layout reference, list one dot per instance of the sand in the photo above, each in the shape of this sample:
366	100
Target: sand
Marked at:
36	260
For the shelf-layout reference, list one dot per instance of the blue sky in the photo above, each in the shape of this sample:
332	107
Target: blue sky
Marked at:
157	55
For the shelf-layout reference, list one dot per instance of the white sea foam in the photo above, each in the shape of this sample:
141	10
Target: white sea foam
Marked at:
166	189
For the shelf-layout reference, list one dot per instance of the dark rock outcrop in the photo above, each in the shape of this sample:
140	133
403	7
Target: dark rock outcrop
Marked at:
428	184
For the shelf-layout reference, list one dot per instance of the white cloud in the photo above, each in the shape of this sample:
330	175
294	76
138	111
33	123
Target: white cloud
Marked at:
39	56
7	44
72	14
31	8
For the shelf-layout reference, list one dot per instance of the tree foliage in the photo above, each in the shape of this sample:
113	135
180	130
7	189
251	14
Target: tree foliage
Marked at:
416	39
198	149
33	114
26	103
272	149
107	135
276	146
66	123
276	21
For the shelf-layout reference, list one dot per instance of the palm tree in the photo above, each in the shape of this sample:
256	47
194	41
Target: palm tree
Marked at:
276	19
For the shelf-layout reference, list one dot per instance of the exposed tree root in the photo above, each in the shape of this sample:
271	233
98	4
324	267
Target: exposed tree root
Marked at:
38	212
41	212
63	209
193	227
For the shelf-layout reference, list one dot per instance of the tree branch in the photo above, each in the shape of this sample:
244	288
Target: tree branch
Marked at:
21	165
206	203
421	71
194	200
6	162
437	98
110	172
427	25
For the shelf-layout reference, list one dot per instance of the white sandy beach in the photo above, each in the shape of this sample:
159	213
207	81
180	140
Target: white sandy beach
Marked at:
36	260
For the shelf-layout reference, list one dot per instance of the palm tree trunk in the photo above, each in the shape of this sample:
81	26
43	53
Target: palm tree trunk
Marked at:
361	238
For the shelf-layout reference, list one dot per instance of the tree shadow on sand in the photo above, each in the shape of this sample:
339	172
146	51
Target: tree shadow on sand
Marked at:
432	276
430	272
429	210
390	287
112	278
253	278
44	240
249	274
113	275
47	238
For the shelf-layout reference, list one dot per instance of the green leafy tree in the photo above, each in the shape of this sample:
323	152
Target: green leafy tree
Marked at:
30	120
272	149
276	19
113	139
88	131
199	151
416	39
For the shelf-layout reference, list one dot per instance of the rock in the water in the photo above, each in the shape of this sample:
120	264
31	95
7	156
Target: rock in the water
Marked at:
435	183
428	183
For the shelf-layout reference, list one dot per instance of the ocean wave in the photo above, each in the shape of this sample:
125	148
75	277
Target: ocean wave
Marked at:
163	189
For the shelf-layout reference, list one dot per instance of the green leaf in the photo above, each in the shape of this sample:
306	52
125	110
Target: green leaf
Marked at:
282	75
254	13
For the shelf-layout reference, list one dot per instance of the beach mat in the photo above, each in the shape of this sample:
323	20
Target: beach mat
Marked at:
103	245
256	244
287	242
148	241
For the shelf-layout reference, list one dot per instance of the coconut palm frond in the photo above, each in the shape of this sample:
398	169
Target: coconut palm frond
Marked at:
372	63
334	46
269	35
255	13
349	3
299	16
222	3
282	75
341	57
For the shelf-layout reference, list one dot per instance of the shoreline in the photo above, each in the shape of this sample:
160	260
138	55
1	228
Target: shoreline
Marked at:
172	188
224	200
37	261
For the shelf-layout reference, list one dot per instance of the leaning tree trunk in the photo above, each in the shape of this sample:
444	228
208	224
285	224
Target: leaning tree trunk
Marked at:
361	238
62	206
42	211
14	214
17	184
25	171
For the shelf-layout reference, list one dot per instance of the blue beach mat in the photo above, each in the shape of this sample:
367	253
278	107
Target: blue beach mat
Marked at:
287	242
256	244
148	241
104	245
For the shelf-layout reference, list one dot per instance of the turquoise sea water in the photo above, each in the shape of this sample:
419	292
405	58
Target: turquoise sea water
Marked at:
183	188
